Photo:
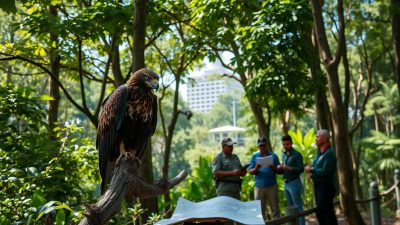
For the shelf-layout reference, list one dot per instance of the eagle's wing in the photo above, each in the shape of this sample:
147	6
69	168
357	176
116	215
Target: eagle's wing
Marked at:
154	115
153	127
107	132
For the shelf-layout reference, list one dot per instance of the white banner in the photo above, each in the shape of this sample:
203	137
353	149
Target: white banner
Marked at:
218	207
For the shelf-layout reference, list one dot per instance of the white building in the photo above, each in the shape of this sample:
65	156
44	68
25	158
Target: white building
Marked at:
237	133
203	91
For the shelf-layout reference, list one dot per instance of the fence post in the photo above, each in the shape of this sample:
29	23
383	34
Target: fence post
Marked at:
374	204
397	179
292	210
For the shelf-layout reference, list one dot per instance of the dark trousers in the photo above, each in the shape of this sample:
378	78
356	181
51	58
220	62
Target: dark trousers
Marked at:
324	194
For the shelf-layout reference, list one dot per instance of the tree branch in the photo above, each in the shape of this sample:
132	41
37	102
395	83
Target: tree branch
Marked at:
320	32
103	84
80	70
17	57
126	184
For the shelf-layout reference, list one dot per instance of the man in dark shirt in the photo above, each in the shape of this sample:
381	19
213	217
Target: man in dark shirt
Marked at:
292	166
323	174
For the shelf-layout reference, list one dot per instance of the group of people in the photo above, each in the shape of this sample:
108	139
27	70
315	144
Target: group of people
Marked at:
227	170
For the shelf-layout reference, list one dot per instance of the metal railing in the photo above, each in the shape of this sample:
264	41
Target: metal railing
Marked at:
293	214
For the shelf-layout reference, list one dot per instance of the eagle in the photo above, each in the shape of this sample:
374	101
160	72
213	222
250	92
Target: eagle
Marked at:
127	120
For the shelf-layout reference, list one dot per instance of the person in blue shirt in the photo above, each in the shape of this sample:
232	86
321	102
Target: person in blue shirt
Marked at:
265	186
292	166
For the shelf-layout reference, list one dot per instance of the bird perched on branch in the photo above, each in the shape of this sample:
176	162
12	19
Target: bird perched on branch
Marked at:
127	121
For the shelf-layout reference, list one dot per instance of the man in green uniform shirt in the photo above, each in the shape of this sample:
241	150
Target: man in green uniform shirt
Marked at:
227	171
323	174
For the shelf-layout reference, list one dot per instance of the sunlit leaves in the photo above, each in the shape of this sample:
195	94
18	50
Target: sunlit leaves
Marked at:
305	145
385	102
269	38
382	151
31	164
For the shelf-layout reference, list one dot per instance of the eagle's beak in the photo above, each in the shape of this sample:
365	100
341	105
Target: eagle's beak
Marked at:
154	84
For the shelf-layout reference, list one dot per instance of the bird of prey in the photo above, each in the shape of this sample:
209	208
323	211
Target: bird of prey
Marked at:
127	121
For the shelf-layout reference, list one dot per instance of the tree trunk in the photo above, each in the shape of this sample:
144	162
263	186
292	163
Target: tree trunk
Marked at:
168	139
115	64
54	90
395	5
150	204
262	124
343	151
285	118
379	125
324	120
341	135
139	34
146	171
357	159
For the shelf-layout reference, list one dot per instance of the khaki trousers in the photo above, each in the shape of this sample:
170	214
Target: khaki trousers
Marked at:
268	195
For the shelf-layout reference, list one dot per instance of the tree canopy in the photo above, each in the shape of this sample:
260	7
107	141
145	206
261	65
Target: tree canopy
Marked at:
303	66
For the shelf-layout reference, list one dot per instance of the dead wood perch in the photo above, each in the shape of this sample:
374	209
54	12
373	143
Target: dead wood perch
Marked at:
126	183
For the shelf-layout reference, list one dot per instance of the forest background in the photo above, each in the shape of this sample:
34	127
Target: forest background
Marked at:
303	65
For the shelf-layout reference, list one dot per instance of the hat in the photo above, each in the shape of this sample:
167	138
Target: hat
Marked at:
227	141
262	141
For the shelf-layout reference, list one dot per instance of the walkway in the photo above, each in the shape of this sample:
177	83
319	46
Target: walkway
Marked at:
312	220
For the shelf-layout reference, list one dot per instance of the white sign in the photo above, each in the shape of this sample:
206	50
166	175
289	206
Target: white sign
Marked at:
265	161
218	207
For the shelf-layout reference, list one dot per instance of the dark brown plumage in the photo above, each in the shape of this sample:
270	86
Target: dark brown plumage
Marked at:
127	121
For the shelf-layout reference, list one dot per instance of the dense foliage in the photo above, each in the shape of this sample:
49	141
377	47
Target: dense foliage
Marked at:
35	171
85	49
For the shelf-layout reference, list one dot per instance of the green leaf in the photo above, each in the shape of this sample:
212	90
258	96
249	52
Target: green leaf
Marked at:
60	217
393	142
309	138
32	171
37	199
8	6
48	207
13	179
64	206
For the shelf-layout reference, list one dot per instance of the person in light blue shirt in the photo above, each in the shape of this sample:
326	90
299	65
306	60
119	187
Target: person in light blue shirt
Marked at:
265	186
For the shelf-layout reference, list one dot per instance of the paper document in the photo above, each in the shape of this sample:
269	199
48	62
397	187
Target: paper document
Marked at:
248	213
265	161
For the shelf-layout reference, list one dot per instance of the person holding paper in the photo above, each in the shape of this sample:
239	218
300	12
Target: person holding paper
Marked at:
292	166
227	170
263	165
